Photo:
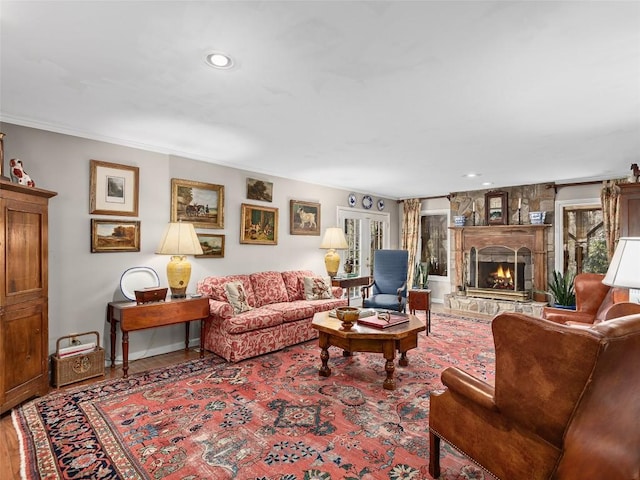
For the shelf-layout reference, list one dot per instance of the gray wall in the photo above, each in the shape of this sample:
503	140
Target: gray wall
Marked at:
81	283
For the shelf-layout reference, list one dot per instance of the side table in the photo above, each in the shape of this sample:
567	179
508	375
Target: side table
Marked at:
133	316
420	299
348	282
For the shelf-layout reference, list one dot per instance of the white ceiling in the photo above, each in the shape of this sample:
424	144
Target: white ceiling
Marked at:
392	98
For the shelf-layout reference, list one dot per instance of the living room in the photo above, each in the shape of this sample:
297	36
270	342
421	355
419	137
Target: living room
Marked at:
81	283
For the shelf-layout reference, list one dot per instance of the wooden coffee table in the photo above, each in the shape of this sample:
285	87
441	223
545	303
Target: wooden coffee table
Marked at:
401	338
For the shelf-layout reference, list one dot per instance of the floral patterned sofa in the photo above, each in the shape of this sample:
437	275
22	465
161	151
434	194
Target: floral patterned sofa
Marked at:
262	312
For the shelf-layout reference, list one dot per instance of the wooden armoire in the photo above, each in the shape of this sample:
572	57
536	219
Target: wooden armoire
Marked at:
629	209
24	329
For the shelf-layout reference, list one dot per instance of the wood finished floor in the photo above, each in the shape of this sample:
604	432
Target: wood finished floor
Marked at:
9	449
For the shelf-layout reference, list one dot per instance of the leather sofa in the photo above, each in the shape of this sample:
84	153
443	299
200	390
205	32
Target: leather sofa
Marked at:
278	314
595	302
565	403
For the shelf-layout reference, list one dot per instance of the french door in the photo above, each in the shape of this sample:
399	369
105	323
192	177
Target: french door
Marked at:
365	232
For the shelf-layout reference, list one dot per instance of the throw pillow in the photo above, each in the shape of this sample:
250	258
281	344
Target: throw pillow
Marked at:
317	288
237	297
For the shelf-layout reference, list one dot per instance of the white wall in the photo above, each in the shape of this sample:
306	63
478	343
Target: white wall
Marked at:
81	283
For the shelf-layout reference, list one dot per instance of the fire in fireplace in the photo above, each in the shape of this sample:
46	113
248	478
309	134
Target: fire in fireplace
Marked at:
500	272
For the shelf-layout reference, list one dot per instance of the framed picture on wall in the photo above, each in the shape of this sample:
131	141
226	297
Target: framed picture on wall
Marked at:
115	235
258	225
259	190
304	218
196	202
496	208
113	189
212	245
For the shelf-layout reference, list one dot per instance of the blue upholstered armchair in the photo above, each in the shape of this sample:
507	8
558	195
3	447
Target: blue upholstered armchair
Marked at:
389	287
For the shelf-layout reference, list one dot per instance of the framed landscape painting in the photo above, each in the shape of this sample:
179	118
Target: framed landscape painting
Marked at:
259	225
259	190
496	208
115	236
304	218
113	189
196	202
212	245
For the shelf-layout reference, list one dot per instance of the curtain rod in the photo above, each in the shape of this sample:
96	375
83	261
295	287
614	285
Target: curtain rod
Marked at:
551	185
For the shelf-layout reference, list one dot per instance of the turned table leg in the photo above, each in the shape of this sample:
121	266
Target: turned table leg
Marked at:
389	350
323	341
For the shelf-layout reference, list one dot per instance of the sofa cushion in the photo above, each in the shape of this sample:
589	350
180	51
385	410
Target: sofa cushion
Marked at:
294	284
268	287
214	287
237	296
292	311
255	319
317	288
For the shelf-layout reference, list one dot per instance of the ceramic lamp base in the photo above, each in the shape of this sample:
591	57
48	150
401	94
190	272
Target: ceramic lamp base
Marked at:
178	275
332	262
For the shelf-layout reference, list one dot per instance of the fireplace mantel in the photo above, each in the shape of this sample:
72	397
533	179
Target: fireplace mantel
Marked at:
531	237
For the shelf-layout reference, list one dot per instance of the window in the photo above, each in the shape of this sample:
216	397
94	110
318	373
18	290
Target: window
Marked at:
584	247
434	252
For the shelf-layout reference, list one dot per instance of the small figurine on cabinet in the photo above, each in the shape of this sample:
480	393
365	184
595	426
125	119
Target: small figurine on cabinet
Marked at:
18	175
635	173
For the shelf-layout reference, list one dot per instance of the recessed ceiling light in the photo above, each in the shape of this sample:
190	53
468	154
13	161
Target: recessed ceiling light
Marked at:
486	184
471	175
219	60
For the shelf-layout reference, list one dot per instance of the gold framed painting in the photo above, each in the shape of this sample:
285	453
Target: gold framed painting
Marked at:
212	245
259	190
115	235
197	202
113	189
496	208
304	218
259	225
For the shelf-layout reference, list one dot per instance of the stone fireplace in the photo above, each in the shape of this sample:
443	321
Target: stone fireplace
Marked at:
501	262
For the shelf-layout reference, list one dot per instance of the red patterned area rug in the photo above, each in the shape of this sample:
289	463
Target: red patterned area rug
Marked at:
267	418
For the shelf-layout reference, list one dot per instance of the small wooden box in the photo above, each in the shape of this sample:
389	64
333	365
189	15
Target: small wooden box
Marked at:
151	295
75	368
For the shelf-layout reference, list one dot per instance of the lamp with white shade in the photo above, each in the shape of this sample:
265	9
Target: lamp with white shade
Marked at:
333	240
624	269
179	239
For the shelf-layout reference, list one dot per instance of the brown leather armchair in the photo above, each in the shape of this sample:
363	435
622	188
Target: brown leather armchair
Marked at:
594	301
565	405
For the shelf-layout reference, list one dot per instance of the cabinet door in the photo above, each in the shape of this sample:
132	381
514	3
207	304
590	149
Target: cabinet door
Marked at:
23	353
25	252
630	210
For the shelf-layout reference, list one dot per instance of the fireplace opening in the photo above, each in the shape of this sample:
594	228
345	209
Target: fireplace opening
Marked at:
500	272
501	275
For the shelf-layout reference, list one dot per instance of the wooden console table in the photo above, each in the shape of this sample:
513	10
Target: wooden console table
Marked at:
133	316
348	282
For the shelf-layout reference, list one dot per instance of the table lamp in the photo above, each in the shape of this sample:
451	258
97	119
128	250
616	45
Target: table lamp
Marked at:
179	240
333	240
624	269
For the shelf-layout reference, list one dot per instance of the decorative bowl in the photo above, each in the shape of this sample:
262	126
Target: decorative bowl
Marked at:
348	316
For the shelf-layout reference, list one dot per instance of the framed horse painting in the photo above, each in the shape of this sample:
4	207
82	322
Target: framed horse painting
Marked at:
304	218
196	202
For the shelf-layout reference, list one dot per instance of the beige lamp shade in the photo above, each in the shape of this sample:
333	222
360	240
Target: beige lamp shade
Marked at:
624	269
179	239
333	240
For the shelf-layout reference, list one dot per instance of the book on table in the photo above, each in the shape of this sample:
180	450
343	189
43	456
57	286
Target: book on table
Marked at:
384	320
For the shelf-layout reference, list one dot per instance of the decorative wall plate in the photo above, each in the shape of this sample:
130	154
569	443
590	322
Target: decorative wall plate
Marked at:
380	204
367	201
352	200
138	278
